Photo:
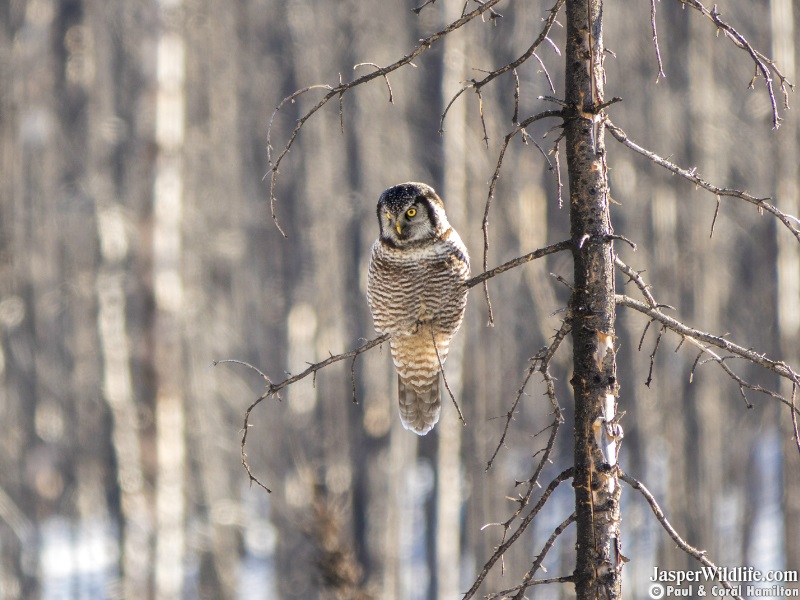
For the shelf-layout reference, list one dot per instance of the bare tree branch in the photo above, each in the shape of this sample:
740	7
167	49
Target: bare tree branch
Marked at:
527	579
273	388
699	555
789	221
386	78
515	262
332	92
763	65
649	379
504	594
636	277
493	185
557	169
507	543
695	336
478	84
541	363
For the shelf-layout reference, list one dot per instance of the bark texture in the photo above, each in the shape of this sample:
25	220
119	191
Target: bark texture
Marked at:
597	571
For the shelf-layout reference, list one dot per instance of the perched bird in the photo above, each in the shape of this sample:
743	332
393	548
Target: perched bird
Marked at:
416	293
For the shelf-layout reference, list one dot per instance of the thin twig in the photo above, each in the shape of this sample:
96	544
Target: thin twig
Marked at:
418	9
511	411
246	364
353	378
541	363
447	108
546	72
492	186
482	118
655	40
527	579
699	555
444	378
559	182
644	333
794	417
385	77
789	221
714	220
478	84
636	277
653	356
622	238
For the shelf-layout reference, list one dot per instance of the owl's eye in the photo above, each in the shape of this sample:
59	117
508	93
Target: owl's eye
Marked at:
411	212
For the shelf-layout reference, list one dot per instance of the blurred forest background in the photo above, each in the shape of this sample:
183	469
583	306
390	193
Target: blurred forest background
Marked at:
136	248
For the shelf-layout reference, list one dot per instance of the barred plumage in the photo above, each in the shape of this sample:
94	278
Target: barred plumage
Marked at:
416	293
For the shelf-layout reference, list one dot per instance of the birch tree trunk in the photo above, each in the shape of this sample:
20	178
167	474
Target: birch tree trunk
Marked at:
168	363
597	491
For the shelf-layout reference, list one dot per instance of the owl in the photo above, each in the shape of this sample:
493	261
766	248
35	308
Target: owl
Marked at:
416	292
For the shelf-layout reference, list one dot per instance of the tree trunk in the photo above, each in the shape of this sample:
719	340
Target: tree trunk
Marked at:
449	487
597	492
170	417
207	283
112	320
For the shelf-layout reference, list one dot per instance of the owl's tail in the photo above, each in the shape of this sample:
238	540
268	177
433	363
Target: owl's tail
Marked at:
419	405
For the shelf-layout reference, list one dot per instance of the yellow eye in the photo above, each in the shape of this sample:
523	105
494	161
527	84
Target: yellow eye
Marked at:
411	212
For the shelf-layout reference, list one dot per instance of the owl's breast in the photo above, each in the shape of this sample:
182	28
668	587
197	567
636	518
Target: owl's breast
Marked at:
416	284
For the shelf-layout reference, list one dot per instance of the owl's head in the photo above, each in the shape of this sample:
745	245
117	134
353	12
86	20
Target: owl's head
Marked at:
411	212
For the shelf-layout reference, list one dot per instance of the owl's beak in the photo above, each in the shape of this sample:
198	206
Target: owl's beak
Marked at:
399	226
